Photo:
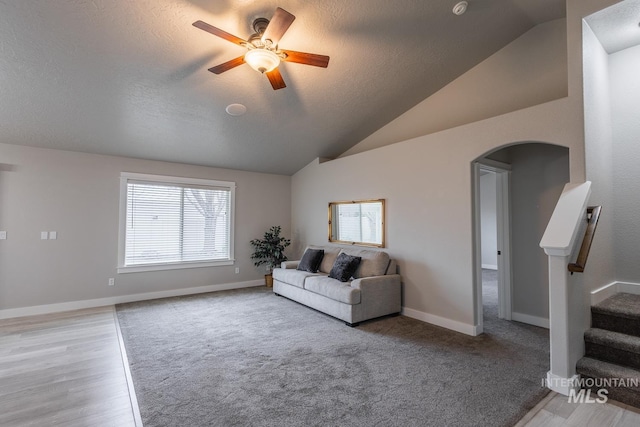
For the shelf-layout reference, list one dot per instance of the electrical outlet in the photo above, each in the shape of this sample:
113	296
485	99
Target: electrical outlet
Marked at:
53	235
237	270
112	281
3	235
44	235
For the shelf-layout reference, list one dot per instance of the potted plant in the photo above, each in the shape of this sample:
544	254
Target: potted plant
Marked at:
269	251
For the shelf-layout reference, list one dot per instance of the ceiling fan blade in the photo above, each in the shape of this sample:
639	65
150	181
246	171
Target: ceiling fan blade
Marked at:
220	33
219	69
279	24
276	80
306	58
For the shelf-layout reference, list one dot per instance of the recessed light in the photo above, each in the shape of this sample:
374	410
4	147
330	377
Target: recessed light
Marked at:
236	109
460	8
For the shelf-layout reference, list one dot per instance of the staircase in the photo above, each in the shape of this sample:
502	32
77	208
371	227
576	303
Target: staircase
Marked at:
612	348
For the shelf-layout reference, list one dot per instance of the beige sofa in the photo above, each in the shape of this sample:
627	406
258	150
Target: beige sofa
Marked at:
374	291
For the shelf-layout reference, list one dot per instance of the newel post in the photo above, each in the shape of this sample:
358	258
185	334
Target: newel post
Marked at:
565	298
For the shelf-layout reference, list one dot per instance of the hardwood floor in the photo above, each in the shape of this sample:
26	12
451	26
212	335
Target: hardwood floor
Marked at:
67	369
556	411
63	369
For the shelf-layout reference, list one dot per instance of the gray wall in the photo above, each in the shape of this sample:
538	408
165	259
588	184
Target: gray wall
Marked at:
538	175
488	230
600	270
624	68
77	195
612	132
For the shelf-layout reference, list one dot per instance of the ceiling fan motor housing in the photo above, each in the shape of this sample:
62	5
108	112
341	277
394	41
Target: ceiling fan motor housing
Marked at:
260	25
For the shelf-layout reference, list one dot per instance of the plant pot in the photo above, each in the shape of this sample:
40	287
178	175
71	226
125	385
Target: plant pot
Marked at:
268	280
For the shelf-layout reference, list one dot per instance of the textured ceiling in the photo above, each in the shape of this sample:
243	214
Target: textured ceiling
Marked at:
130	77
617	26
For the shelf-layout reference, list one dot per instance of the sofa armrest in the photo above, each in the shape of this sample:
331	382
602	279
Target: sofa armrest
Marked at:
376	283
292	265
380	295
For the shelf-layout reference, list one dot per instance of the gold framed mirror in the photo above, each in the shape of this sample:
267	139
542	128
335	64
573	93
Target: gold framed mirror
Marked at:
358	222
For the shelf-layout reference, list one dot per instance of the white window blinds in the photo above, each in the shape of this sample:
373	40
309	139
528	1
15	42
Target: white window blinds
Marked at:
168	223
360	222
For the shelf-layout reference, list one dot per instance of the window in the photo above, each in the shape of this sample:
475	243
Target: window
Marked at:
170	222
357	223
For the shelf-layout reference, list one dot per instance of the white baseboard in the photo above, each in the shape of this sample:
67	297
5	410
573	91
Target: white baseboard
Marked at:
101	302
603	293
611	289
531	320
563	385
442	322
489	267
630	288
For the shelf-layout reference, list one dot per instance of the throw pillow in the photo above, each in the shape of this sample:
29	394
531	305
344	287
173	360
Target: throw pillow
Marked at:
311	260
344	267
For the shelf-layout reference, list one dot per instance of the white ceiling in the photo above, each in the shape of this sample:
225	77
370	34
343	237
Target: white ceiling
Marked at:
617	27
130	77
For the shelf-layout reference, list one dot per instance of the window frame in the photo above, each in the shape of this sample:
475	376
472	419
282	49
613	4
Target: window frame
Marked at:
334	223
125	177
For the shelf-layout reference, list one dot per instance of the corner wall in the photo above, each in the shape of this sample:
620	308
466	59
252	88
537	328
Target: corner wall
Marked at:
600	269
538	175
77	195
624	69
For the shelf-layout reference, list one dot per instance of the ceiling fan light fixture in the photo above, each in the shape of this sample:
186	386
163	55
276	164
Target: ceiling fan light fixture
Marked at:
263	54
262	60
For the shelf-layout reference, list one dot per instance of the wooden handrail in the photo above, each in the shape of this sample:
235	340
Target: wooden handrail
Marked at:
593	213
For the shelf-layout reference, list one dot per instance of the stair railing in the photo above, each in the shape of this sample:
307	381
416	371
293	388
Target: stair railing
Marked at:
593	214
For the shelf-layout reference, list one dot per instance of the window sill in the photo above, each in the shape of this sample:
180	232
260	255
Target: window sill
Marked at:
173	266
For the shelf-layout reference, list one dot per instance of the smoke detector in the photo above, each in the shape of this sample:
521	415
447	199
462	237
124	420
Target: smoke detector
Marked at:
236	109
460	8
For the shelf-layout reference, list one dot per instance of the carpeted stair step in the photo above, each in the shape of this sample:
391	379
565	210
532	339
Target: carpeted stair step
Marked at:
619	313
624	382
614	347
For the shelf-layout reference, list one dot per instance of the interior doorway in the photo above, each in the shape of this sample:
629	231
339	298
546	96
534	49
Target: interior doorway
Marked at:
492	236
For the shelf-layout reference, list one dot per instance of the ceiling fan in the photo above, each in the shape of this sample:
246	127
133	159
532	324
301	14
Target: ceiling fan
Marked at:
263	54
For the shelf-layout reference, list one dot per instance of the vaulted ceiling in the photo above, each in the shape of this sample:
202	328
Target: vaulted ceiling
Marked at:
130	78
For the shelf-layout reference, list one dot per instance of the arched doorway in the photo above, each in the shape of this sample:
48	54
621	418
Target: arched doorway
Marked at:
529	180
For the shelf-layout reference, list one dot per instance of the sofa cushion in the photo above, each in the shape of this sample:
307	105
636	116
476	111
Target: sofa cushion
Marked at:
330	255
373	263
291	277
333	289
344	267
311	260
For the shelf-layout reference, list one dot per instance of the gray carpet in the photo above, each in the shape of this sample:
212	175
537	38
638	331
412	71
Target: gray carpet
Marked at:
250	358
612	347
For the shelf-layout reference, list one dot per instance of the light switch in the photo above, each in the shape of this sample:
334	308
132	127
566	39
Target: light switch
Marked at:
53	235
3	235
44	235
